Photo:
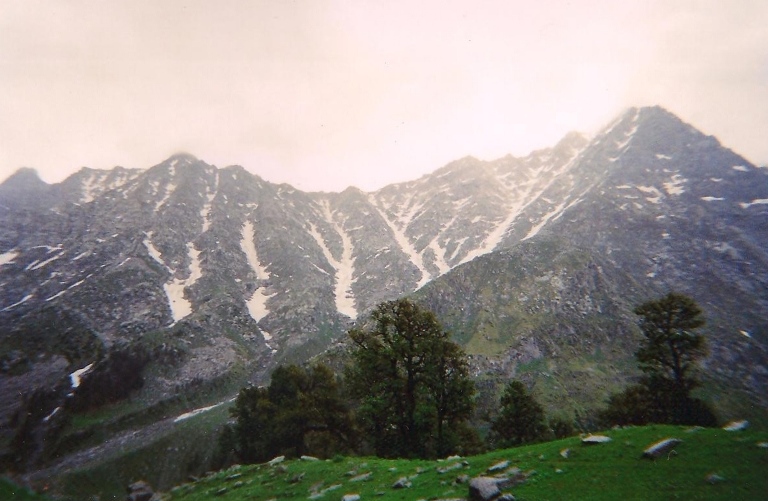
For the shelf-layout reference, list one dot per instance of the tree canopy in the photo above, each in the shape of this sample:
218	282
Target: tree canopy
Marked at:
520	419
671	349
668	357
301	412
411	381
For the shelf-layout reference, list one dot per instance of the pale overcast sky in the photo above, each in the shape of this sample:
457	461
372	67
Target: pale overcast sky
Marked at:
327	94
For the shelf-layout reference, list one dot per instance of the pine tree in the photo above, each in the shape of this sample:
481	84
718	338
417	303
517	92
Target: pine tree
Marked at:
520	420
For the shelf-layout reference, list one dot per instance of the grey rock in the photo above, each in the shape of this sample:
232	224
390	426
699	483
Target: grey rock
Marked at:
484	489
714	478
277	460
351	497
402	483
361	478
739	425
498	466
140	491
595	439
661	448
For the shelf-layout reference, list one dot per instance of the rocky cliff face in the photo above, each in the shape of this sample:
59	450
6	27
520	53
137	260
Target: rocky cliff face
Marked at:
528	260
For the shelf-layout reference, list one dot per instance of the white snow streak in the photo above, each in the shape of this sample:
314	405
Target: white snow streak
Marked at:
37	265
544	220
22	301
89	189
344	267
205	212
403	242
257	304
675	186
759	201
8	257
663	157
712	199
180	306
78	374
740	168
523	200
169	189
153	252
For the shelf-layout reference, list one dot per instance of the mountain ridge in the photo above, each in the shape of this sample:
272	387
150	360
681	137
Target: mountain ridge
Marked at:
533	263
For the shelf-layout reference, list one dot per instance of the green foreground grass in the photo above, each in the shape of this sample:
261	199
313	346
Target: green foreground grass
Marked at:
608	471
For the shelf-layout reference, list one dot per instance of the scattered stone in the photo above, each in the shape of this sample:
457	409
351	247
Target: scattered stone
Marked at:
506	497
282	468
277	460
234	476
140	491
402	483
222	491
361	478
316	487
296	478
351	497
498	466
455	466
565	453
714	478
239	483
660	448
393	469
542	457
309	458
351	473
763	445
595	439
694	429
736	425
558	470
483	489
453	458
462	479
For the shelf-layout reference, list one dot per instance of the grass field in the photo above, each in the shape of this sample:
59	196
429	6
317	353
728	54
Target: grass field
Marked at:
611	471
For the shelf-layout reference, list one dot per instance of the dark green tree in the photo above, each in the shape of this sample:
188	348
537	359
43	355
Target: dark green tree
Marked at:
411	382
300	409
671	349
668	357
520	420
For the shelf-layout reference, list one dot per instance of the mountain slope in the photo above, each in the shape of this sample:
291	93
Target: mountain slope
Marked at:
211	276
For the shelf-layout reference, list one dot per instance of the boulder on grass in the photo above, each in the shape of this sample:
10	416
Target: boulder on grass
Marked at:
140	491
595	439
736	425
660	448
483	489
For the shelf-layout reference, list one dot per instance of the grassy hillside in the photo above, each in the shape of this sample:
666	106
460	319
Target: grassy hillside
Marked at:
608	471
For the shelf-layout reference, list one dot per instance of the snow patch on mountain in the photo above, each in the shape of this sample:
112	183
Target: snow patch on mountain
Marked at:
345	268
402	239
8	257
675	185
257	303
759	201
181	306
20	302
205	212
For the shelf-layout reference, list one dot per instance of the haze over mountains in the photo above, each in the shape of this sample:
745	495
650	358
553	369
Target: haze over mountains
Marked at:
534	264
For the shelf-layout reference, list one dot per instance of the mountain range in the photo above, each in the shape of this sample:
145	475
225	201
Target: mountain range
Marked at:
533	264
